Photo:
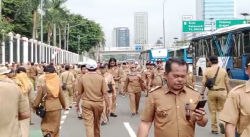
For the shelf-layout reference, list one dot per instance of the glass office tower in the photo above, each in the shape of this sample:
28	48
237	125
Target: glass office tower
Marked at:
218	10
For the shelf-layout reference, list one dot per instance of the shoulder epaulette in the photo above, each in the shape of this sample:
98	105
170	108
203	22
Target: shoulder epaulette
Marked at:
190	87
239	86
155	88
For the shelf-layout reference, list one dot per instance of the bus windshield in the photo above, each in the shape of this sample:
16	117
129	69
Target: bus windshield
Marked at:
159	53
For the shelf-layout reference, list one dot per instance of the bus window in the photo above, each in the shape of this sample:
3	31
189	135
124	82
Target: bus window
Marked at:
189	53
171	54
180	53
159	53
246	43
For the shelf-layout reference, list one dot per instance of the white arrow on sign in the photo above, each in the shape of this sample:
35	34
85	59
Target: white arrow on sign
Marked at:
244	22
185	23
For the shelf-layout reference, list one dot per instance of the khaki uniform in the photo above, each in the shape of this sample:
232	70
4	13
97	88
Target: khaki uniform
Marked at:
168	112
237	109
12	103
109	80
133	87
157	77
116	74
68	78
51	123
92	101
217	95
32	73
190	79
123	74
30	97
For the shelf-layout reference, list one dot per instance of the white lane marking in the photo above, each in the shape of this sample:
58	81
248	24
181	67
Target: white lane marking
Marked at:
63	118
129	129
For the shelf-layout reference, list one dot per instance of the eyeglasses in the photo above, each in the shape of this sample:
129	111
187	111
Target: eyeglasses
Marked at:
133	67
159	62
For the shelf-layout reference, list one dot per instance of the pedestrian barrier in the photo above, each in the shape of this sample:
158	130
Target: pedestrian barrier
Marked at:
233	82
15	48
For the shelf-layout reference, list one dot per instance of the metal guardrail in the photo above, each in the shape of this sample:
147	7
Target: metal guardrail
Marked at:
145	47
233	82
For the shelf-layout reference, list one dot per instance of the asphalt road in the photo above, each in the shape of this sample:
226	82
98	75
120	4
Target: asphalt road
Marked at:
121	126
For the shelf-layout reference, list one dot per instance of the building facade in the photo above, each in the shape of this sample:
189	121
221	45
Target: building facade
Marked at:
216	10
121	37
140	28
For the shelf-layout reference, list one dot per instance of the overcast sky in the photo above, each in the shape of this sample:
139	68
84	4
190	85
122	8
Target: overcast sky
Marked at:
120	13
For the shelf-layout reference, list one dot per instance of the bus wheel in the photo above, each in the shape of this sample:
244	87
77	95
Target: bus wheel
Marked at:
229	73
200	72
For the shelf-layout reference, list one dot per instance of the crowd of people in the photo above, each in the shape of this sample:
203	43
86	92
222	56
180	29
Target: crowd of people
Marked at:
92	88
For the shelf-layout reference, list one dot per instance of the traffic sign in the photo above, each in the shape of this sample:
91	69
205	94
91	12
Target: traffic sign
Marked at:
138	47
228	23
193	26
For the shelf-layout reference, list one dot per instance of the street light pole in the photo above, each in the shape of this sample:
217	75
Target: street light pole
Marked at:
245	15
41	4
78	49
211	24
164	39
67	46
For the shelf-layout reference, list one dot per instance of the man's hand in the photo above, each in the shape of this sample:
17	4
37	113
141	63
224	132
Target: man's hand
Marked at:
199	114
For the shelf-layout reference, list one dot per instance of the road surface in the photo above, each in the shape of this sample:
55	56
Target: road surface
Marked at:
121	126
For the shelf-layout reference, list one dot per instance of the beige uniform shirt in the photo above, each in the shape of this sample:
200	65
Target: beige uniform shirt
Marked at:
220	80
93	87
236	110
12	102
167	111
68	78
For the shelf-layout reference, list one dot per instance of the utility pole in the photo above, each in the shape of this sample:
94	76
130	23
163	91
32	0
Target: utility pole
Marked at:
164	38
68	38
41	56
212	27
78	49
0	10
245	15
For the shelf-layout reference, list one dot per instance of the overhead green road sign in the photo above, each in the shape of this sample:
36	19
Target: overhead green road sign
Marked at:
193	26
228	23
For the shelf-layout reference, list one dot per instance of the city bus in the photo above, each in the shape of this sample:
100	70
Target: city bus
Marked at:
181	52
184	53
153	54
230	44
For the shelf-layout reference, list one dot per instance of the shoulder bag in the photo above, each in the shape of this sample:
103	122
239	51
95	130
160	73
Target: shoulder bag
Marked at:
211	81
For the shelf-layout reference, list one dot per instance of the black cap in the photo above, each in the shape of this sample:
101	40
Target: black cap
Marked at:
148	63
102	65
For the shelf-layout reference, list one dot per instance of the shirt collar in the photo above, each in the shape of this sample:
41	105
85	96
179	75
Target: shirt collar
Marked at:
247	86
167	90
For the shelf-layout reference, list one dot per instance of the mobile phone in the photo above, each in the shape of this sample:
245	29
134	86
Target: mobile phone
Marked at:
237	134
201	104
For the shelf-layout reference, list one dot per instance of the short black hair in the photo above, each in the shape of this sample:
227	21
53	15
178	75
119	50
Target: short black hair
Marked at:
67	67
83	66
20	69
213	59
32	63
169	62
49	69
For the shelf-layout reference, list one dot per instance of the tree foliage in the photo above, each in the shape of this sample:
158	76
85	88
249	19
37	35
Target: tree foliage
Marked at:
23	17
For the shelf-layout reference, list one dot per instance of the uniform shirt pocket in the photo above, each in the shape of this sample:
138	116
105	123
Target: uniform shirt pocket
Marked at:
162	114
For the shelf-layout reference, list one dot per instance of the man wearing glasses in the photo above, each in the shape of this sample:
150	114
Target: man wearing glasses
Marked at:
157	76
172	108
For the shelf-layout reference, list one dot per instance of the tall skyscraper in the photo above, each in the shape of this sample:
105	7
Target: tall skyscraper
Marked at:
215	10
121	37
140	28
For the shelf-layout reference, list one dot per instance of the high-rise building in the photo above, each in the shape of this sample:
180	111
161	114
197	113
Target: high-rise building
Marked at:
140	28
215	10
121	37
